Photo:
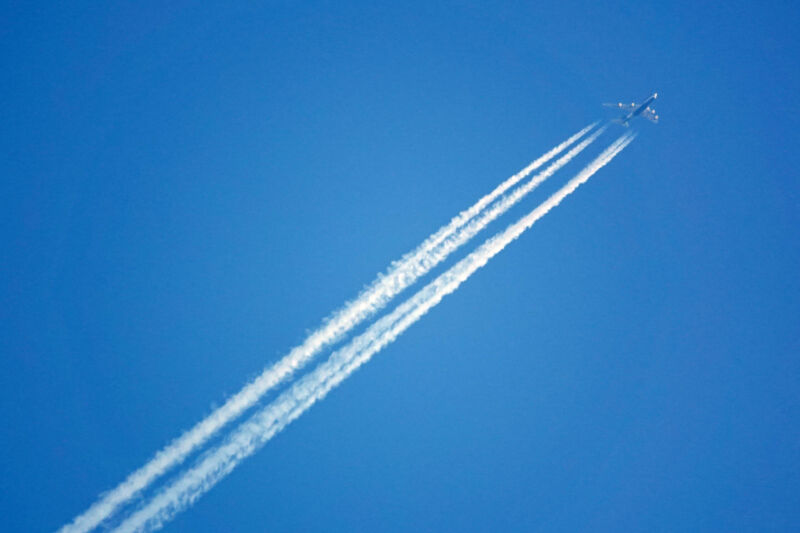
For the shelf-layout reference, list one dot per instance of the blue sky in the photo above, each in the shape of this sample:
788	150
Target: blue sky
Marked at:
188	190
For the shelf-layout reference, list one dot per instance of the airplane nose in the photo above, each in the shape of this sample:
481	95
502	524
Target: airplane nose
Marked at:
655	95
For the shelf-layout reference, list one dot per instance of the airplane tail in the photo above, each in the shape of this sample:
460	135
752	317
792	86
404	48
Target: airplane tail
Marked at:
620	122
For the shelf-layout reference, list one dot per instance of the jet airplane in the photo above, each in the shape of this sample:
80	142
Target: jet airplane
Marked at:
633	110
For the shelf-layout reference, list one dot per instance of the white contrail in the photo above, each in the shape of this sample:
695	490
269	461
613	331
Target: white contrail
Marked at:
400	275
262	426
479	222
423	264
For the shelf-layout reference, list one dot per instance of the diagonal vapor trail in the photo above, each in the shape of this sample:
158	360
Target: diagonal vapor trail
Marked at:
375	296
479	222
273	418
472	227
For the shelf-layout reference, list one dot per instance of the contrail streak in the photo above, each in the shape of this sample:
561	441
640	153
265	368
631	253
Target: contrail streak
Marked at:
474	226
262	426
400	275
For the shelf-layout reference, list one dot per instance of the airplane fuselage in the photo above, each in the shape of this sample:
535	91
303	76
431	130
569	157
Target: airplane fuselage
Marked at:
638	111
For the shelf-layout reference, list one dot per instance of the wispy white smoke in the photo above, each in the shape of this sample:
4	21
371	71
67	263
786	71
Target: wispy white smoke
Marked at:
262	426
400	275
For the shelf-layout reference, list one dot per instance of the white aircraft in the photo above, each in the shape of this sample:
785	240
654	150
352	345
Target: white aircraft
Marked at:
633	110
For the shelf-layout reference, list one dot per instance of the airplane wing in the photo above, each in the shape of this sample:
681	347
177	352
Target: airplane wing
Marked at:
627	108
651	115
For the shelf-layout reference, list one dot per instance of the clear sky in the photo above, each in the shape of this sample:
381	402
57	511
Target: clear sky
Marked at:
188	190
